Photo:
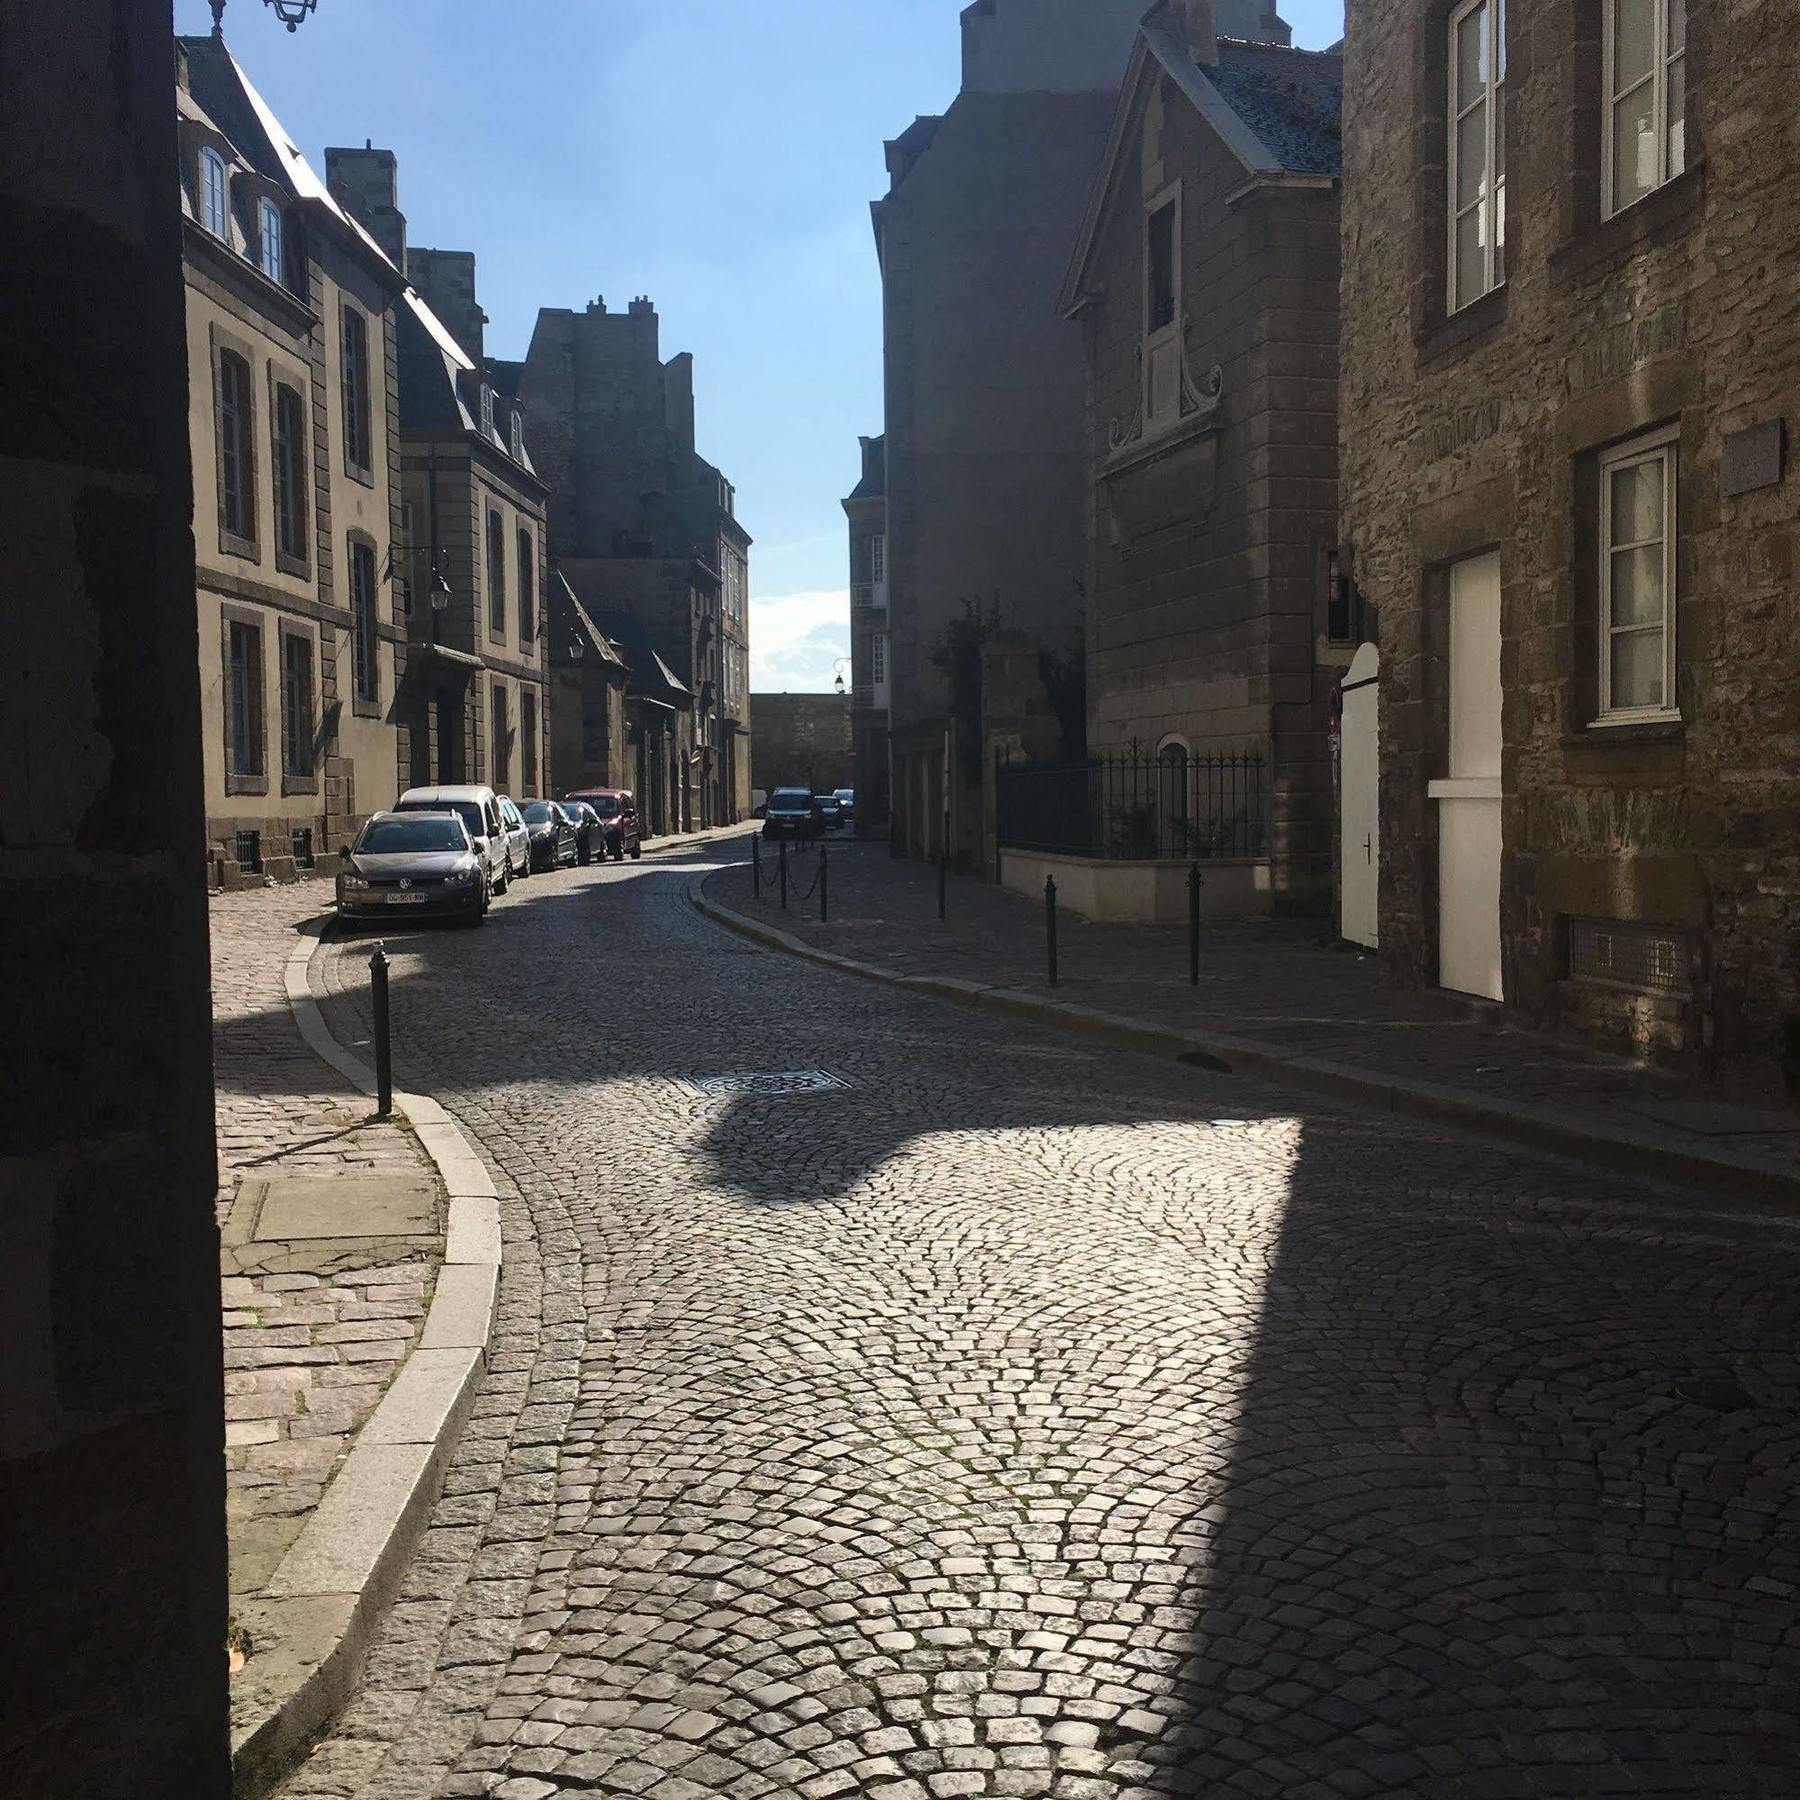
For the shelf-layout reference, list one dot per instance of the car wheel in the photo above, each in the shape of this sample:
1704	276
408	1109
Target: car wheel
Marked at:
505	880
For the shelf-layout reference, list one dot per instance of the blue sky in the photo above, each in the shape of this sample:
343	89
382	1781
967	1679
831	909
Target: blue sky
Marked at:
717	155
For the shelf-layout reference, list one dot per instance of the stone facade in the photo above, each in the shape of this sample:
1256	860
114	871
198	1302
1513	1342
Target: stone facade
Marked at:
1212	427
1482	428
297	511
612	429
588	735
476	704
112	1428
865	507
983	379
804	740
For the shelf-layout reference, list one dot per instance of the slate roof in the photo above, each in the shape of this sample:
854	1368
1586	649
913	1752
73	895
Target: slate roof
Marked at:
874	482
1291	99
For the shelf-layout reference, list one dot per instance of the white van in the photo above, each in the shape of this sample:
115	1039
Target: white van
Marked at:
479	810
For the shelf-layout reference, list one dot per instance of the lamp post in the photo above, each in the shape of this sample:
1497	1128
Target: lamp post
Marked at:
289	12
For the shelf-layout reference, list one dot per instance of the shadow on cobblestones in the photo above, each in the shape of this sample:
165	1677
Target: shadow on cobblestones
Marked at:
1029	1419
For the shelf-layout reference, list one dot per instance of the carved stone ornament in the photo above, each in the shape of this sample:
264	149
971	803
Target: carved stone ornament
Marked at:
1195	405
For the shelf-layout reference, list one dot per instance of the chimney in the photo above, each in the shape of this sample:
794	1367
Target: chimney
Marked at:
445	280
364	183
1202	35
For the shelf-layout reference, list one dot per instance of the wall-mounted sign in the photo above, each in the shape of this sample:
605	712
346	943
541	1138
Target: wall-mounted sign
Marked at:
1752	458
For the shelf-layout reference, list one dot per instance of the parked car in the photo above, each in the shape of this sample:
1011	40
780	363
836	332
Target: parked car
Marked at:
553	839
846	799
590	833
831	814
618	813
793	813
518	839
479	810
413	863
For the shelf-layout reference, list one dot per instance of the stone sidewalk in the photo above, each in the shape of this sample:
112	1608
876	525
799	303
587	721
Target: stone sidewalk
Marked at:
1279	998
331	1239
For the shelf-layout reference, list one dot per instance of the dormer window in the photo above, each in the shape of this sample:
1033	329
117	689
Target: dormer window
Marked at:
516	437
268	238
213	209
487	410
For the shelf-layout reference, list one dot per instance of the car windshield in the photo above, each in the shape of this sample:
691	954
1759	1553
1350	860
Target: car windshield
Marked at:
394	837
605	805
846	794
466	810
540	812
790	802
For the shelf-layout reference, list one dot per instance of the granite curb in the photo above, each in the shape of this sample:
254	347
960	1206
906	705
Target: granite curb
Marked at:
1718	1174
343	1570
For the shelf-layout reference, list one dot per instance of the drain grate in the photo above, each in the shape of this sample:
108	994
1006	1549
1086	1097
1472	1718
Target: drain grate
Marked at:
764	1083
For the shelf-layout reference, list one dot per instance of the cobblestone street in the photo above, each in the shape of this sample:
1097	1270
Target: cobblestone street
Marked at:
1020	1417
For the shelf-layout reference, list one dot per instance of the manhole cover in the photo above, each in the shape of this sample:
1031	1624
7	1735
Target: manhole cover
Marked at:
765	1082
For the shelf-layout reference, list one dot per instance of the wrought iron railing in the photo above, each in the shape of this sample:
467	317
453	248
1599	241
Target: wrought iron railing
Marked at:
1136	806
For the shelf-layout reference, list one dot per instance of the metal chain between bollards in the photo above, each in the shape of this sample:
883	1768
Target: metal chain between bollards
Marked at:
384	1050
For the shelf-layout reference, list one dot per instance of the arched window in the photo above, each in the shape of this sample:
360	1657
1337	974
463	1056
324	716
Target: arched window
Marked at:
268	220
212	191
1172	796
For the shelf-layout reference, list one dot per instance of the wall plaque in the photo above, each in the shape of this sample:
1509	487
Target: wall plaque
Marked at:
1752	458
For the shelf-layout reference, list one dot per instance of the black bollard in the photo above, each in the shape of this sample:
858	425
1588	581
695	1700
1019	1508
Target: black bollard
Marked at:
943	876
756	865
824	884
783	843
1050	923
1193	924
384	1053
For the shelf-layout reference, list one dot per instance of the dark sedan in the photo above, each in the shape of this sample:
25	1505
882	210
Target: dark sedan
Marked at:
553	837
793	812
590	831
831	811
418	864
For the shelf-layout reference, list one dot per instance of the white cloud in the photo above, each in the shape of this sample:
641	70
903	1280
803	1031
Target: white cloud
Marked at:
796	639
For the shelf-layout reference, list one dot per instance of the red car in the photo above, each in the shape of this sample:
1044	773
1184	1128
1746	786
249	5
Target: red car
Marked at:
618	818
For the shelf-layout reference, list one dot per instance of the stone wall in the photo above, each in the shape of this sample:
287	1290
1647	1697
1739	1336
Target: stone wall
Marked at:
1481	431
111	1431
802	738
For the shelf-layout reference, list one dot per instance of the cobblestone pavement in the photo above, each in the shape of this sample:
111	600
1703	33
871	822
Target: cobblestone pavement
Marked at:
1283	982
313	1329
1026	1419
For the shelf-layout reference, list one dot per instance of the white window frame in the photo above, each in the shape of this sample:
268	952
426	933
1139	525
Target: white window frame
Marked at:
878	658
217	219
516	436
1156	338
1661	447
1490	202
878	557
268	238
1662	64
487	411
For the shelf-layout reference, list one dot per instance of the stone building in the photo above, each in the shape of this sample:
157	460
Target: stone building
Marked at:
293	415
476	703
983	380
112	1437
866	509
588	677
640	522
1204	279
805	740
1567	371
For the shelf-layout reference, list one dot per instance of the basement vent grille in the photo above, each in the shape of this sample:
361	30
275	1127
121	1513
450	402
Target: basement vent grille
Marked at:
249	852
763	1083
301	840
1649	958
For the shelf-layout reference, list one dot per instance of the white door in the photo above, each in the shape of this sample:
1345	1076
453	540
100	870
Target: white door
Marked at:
1469	798
1359	822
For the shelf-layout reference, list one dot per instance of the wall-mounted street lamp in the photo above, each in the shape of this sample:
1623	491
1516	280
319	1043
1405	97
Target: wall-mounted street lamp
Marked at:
289	12
837	673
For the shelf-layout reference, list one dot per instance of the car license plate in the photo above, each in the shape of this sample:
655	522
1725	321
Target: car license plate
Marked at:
406	899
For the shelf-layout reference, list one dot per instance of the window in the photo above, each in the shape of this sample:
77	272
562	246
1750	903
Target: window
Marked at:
1646	98
527	588
244	700
1477	154
358	456
1162	311
1159	262
515	435
594	725
268	220
502	755
528	747
1637	580
289	463
362	605
878	557
212	192
237	455
496	576
878	658
296	705
487	411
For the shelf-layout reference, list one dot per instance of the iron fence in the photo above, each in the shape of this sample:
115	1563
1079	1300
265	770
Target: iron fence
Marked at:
1136	806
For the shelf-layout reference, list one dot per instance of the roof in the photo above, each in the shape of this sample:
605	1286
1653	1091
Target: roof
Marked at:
1277	110
649	674
874	481
590	636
